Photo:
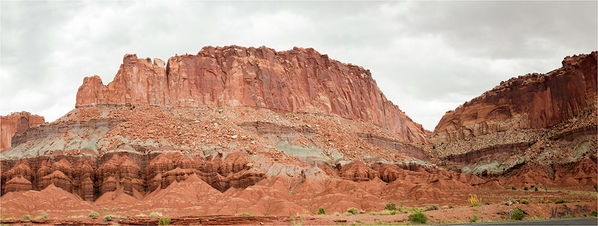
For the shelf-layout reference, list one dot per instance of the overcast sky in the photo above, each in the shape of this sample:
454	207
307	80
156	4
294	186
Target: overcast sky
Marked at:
427	57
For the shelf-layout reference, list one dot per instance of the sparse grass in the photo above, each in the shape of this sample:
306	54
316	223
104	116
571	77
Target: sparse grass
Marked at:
473	219
155	214
403	209
93	214
42	217
321	211
418	218
266	214
432	207
560	201
353	211
164	221
26	217
108	218
247	214
384	212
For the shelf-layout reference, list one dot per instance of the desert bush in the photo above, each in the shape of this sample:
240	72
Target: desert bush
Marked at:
524	202
155	214
108	218
473	219
26	217
560	201
353	211
474	200
432	207
247	214
42	217
594	213
418	218
518	214
321	211
525	188
164	221
513	188
536	189
93	214
390	206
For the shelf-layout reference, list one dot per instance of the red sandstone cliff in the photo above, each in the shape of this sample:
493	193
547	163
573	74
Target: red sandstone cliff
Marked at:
15	124
298	80
526	102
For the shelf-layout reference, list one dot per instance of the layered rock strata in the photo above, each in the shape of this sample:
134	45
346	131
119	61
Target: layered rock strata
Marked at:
541	120
298	80
532	101
16	124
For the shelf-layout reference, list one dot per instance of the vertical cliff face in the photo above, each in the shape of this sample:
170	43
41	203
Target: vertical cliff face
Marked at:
16	124
532	101
298	80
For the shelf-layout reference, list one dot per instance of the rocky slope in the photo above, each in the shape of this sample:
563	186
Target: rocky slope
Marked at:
542	120
234	130
298	80
16	124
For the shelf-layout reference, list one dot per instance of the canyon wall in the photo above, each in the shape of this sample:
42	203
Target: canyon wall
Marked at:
297	80
531	101
16	124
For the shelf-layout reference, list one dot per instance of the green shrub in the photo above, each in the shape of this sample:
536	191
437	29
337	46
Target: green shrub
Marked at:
390	206
108	218
42	217
524	202
418	218
393	212
513	188
560	201
26	217
487	203
536	189
321	211
525	188
155	214
432	207
164	221
473	219
518	214
93	214
594	213
353	211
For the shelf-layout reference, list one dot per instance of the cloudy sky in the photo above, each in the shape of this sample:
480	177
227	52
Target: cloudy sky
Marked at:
427	57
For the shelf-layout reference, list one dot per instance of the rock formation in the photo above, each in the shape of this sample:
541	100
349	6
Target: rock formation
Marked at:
16	124
298	80
526	123
528	102
234	130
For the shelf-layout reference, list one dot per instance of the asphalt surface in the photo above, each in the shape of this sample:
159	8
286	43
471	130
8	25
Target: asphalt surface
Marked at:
568	221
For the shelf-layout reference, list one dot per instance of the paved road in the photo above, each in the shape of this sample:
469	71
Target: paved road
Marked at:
568	221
